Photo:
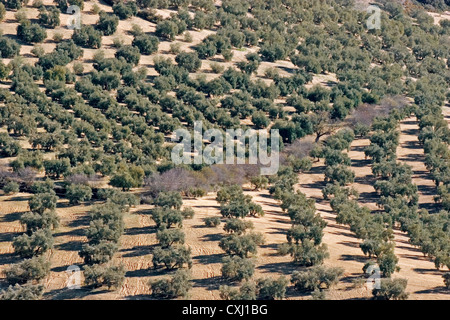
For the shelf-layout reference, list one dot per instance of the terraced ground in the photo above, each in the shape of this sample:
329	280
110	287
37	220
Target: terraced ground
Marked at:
424	281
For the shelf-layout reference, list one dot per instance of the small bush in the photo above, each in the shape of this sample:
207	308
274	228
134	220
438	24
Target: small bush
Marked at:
212	222
216	67
98	276
318	277
177	286
24	292
391	289
11	188
34	269
237	268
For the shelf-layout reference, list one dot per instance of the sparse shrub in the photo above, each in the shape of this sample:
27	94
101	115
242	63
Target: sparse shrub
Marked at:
107	23
172	257
95	9
175	48
34	221
31	32
78	68
87	37
391	289
177	286
34	269
237	269
316	278
98	253
77	193
168	237
187	37
212	221
146	44
38	51
58	37
24	292
37	243
98	276
216	67
11	188
272	289
446	277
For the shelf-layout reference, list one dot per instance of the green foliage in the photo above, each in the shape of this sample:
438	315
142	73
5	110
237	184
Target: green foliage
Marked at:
77	193
212	221
43	201
129	53
34	221
168	237
127	177
31	32
172	257
147	44
259	182
260	120
241	245
272	289
35	244
11	188
98	253
24	292
34	269
391	289
49	17
167	29
97	276
9	147
125	10
315	278
189	61
107	23
237	226
237	269
177	286
169	199
56	168
166	217
87	37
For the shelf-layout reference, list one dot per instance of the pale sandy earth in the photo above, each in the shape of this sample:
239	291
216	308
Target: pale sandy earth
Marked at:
440	16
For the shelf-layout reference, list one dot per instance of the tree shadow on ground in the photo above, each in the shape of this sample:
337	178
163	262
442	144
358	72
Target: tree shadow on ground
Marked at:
75	232
209	258
9	258
140	230
212	237
67	294
13	216
80	221
212	283
435	290
70	246
354	257
285	268
137	251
